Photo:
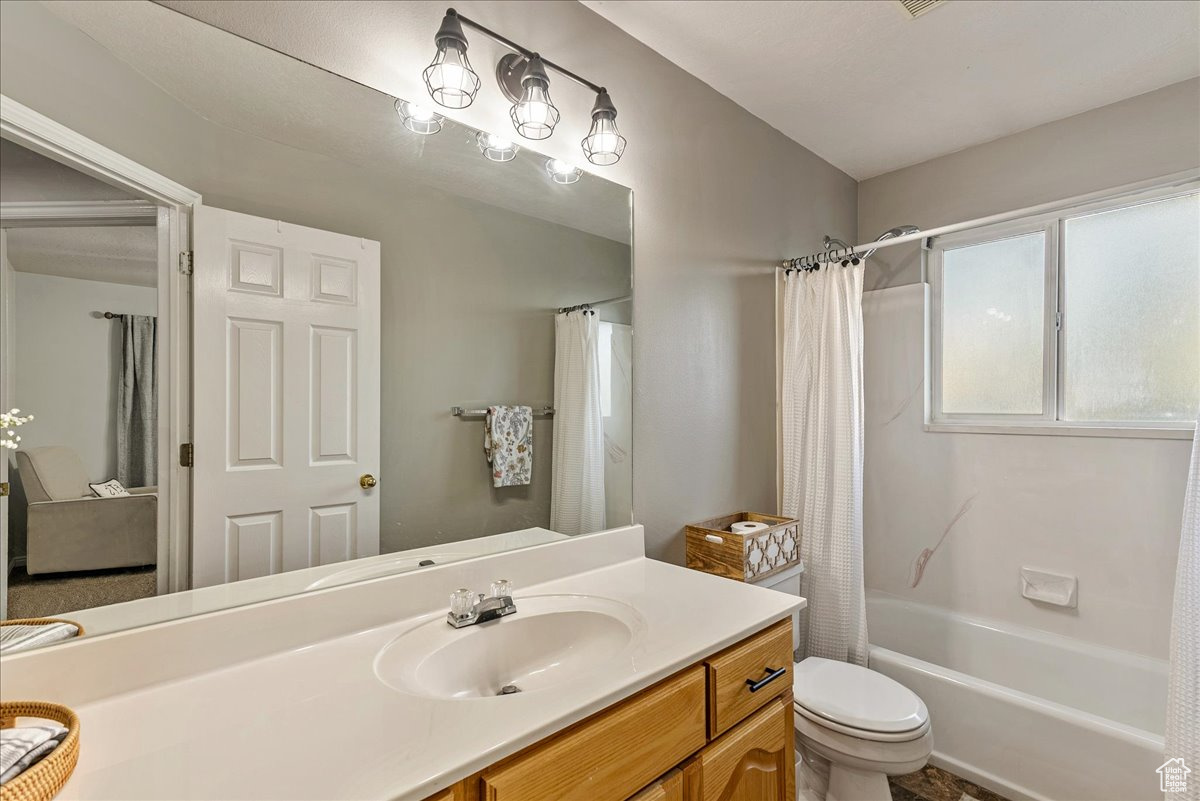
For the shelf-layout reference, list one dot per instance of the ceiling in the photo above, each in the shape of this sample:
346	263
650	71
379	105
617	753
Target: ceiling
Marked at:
113	254
870	89
236	84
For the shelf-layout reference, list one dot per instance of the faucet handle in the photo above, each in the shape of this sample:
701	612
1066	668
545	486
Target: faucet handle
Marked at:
501	588
461	603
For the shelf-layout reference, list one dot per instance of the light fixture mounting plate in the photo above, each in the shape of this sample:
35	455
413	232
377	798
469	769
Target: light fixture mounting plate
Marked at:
509	71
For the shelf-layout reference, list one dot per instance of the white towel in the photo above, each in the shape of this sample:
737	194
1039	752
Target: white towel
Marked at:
508	444
23	636
1183	687
22	747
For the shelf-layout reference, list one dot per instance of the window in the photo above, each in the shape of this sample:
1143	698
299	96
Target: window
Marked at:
1088	318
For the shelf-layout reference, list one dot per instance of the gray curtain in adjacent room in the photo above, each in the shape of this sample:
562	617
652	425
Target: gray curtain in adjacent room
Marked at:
137	402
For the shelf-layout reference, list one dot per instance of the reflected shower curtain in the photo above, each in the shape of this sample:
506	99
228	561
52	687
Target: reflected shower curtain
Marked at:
1183	687
137	402
577	491
823	452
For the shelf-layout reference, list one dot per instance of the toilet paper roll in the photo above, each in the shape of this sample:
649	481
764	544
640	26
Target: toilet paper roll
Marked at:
747	527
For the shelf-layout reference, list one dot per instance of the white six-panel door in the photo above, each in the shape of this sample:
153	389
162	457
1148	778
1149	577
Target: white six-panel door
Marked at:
286	354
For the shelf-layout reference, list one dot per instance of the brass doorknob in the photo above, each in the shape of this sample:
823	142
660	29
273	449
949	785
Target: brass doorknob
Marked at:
366	481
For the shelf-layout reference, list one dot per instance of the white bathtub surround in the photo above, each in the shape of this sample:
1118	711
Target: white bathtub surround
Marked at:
577	488
1105	510
155	704
823	452
1031	715
1183	688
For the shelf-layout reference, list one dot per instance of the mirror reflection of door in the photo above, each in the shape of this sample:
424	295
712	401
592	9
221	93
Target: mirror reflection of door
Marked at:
79	342
287	397
296	482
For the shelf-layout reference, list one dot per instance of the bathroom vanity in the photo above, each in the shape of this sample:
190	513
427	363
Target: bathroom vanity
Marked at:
633	678
720	729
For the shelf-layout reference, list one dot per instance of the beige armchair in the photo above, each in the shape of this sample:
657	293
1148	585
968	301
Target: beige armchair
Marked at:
68	528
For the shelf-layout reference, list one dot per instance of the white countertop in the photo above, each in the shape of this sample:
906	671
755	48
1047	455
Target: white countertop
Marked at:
161	608
314	722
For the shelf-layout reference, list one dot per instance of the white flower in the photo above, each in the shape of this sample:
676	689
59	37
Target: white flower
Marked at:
8	421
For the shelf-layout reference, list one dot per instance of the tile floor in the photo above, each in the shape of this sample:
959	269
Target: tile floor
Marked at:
935	784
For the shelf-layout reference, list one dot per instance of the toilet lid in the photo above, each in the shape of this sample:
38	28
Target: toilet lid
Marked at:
857	697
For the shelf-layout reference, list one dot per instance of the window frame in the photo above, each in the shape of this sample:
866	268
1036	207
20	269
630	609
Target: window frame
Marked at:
1050	420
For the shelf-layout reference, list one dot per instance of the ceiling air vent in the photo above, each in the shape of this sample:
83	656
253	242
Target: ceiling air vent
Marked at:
918	7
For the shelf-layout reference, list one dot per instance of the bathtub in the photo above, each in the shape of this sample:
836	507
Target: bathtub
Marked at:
1028	714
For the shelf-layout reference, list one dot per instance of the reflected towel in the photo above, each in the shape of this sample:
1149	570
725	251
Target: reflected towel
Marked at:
508	444
23	747
23	636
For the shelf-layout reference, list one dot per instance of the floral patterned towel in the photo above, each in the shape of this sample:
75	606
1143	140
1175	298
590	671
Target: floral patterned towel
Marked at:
508	444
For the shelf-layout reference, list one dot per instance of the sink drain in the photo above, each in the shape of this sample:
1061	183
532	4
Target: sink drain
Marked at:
509	689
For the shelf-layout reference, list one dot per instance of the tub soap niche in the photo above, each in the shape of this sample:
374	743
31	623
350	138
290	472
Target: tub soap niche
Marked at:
1044	586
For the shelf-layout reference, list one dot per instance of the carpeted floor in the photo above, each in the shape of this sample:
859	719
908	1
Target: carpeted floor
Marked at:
57	593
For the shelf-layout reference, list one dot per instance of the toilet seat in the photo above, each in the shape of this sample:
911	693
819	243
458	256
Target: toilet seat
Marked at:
858	702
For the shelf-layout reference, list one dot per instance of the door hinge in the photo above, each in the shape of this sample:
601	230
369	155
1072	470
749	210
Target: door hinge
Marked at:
1058	321
187	455
185	262
3	489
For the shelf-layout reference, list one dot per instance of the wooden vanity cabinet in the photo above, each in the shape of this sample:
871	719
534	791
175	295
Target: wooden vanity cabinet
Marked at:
668	788
753	762
720	730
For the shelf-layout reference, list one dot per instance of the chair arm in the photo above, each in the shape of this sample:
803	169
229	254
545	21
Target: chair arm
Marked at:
104	512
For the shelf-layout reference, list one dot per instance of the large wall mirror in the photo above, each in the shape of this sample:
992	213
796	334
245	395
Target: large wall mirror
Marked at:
403	341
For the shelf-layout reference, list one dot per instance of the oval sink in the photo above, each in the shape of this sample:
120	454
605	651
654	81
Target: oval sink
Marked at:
549	640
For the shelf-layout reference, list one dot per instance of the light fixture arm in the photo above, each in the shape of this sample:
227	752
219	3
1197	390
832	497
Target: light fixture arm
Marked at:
523	51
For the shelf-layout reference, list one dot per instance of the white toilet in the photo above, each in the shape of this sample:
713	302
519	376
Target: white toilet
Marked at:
866	725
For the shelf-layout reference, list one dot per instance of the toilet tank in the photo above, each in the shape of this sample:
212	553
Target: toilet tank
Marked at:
788	581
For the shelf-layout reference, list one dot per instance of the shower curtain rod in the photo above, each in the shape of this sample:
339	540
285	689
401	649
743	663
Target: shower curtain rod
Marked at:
888	239
583	306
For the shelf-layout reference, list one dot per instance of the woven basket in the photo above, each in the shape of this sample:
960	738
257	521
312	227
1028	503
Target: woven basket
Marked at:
37	621
43	780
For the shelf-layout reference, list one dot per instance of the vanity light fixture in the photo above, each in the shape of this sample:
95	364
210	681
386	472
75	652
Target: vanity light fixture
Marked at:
562	172
604	144
450	80
496	148
524	80
534	115
419	119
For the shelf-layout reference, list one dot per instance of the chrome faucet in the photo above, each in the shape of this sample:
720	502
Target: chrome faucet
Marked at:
467	610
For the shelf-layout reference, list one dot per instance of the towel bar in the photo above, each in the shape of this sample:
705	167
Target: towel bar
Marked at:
459	411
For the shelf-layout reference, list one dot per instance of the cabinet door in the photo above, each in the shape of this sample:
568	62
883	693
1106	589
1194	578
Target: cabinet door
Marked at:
668	788
754	761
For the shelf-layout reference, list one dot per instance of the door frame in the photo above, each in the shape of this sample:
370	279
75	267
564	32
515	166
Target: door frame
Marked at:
174	204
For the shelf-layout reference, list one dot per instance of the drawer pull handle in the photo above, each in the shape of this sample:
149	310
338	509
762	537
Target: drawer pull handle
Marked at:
755	686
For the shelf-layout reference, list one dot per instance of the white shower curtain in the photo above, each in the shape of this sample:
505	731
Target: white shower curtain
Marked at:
823	452
1183	689
577	493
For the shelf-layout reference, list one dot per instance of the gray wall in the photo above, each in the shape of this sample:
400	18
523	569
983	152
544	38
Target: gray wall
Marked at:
719	198
1104	509
468	320
468	289
1154	134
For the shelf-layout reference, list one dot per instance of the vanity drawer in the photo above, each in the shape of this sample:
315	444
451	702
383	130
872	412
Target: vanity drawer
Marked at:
613	754
731	696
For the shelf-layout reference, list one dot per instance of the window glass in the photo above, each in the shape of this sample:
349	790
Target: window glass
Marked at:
1131	313
993	307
